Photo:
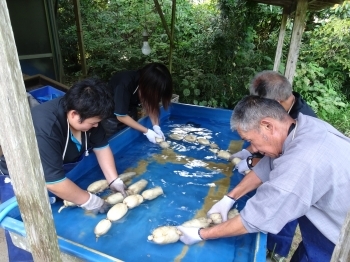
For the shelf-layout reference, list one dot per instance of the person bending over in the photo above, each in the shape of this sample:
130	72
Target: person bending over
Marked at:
295	184
147	86
273	85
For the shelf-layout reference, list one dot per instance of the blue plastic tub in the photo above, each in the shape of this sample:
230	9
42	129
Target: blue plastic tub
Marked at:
192	178
46	93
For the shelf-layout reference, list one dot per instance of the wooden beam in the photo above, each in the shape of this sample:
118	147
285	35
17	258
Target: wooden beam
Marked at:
279	48
19	145
342	249
80	36
298	28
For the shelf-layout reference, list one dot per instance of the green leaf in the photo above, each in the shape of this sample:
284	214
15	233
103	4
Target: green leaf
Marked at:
186	92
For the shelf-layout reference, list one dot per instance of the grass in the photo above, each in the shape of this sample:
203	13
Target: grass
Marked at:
296	240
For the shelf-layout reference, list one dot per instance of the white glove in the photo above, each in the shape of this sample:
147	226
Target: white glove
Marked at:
243	154
95	204
157	129
151	135
190	235
242	166
119	186
222	207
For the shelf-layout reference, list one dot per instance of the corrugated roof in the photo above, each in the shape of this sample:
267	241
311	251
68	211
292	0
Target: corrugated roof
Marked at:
314	5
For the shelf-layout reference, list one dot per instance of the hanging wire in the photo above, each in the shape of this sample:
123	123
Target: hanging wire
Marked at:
144	12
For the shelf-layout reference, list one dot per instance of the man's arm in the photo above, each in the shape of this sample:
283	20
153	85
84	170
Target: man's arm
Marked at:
250	182
69	191
232	227
192	235
106	161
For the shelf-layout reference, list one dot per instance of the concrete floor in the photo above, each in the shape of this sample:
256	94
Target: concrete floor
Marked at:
3	246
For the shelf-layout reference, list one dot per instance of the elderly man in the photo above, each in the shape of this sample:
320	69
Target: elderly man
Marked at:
273	85
307	178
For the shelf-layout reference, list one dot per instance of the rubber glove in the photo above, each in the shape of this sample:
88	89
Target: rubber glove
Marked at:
157	129
243	154
190	235
95	204
242	166
222	207
151	135
118	185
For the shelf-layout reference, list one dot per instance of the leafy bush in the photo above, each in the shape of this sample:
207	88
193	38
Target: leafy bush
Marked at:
321	92
218	47
323	69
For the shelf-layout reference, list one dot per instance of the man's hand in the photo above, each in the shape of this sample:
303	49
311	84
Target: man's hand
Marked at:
95	204
158	131
151	135
243	154
118	185
222	207
242	166
190	235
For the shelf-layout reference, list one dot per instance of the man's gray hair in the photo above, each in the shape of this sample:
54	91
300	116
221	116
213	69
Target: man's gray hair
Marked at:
271	84
249	112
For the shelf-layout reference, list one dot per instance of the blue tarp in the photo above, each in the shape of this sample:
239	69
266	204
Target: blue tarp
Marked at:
192	178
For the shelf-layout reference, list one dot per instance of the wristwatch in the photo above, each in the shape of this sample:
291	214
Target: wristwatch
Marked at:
250	162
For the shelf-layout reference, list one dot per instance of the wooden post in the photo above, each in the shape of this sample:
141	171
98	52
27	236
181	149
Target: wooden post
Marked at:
169	33
18	142
80	36
279	48
298	28
341	251
173	17
162	18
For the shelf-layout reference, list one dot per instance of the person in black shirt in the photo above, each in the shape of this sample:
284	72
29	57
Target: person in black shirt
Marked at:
148	86
273	85
66	129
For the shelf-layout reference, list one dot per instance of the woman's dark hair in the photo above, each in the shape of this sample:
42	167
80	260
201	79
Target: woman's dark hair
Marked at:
90	98
155	85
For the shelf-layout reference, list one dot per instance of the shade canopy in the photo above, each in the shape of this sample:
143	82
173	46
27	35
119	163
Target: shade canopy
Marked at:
313	5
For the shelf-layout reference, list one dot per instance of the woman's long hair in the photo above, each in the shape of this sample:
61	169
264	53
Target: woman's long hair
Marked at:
155	86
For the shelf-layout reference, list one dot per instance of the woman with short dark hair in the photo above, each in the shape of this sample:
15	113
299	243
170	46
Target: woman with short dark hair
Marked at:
67	129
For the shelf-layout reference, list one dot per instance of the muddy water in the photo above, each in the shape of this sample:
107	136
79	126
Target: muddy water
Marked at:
214	194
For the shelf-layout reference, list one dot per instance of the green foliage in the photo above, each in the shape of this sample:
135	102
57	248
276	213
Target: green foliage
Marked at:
225	56
328	43
321	93
218	47
215	49
341	120
323	69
